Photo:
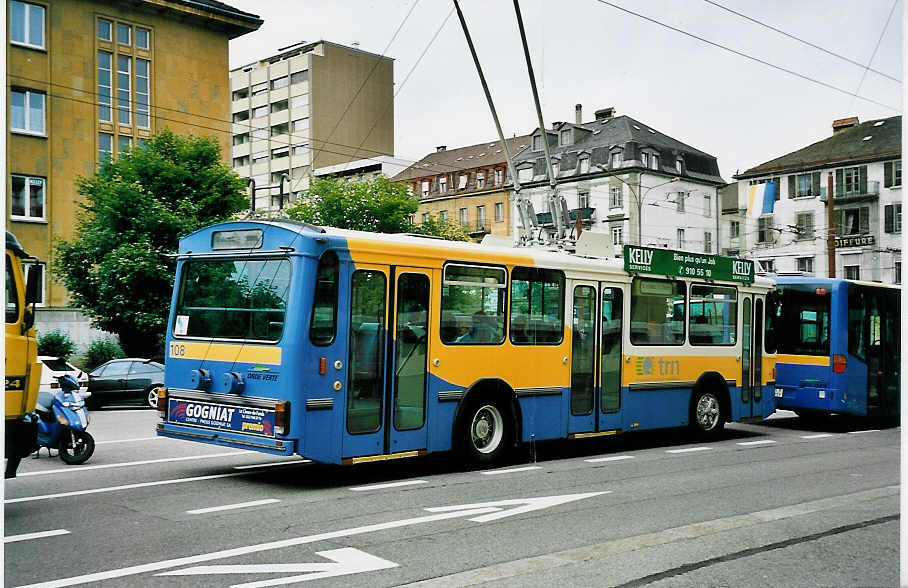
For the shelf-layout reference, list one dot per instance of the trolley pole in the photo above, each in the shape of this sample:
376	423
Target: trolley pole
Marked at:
830	224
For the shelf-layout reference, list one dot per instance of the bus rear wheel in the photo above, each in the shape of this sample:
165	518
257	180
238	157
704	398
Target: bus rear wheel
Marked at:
485	433
707	414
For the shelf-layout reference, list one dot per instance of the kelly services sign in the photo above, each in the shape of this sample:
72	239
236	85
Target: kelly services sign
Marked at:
648	260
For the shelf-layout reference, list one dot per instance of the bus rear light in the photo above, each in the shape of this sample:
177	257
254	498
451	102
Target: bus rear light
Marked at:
282	418
839	363
162	402
821	291
322	366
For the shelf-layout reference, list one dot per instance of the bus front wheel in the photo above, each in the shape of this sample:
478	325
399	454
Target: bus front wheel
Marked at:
485	433
707	416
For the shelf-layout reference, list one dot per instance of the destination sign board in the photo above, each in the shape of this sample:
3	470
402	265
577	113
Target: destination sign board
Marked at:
685	264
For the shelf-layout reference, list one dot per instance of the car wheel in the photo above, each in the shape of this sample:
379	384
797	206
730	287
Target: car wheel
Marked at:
151	396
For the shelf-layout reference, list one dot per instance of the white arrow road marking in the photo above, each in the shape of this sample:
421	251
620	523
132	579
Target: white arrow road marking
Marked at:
443	513
39	535
523	505
346	561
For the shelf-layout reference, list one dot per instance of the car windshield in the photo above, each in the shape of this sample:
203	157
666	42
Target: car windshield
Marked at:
58	365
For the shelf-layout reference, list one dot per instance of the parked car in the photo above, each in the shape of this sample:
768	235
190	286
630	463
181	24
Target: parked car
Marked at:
126	380
54	367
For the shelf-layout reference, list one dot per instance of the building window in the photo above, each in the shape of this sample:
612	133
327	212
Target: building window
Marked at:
425	188
499	212
480	180
142	72
776	181
767	265
300	125
617	236
481	217
425	217
462	181
259	112
105	146
615	197
123	34
143	37
105	87
27	198
805	264
583	199
679	201
105	30
298	77
281	129
678	165
26	24
27	111
680	238
614	160
897	177
765	233
852	179
807	185
852	221
259	157
892	218
898	272
644	158
259	88
443	184
852	272
565	137
707	242
654	161
124	143
280	106
281	82
537	143
299	101
124	88
525	174
892	174
805	225
707	206
499	177
241	161
280	152
463	216
443	215
241	116
556	167
584	165
734	230
301	149
241	139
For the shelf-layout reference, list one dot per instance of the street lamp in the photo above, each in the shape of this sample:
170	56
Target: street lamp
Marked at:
639	200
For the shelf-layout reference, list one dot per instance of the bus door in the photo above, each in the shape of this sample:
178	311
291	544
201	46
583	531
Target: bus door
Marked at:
752	356
595	358
881	318
386	392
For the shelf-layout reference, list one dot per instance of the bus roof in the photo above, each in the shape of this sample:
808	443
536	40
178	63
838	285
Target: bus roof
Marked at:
824	281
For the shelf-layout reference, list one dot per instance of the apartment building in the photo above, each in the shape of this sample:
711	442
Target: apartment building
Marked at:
864	161
89	78
467	185
313	105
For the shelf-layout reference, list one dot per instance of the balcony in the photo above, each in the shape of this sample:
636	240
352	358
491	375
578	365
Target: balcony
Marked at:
872	193
545	218
481	227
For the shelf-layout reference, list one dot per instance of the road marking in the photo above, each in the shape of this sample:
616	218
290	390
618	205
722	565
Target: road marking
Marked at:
477	512
129	440
233	506
388	485
688	450
71	470
506	573
753	443
862	432
817	436
39	535
510	470
125	487
272	464
345	561
610	458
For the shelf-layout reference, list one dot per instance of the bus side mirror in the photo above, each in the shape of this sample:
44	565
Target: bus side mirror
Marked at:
31	297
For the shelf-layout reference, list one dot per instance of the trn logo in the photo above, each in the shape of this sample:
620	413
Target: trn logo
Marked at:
649	366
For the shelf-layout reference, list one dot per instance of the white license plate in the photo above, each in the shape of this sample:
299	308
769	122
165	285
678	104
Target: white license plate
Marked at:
778	393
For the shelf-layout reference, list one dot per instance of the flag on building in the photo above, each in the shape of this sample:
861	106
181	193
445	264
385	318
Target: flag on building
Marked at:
761	198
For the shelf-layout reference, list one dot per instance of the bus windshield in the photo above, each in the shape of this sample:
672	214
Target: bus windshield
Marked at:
233	299
802	320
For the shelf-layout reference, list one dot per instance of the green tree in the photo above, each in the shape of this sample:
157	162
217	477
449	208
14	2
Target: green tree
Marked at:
374	205
135	211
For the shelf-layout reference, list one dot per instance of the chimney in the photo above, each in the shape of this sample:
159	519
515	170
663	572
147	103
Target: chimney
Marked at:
844	123
440	148
605	113
578	113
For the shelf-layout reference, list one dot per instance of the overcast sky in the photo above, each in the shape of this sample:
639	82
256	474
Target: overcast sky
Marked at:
591	53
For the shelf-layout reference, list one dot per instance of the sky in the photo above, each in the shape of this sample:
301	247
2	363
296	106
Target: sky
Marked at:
589	52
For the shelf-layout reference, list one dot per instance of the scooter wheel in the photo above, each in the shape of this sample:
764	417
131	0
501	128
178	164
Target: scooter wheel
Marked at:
74	453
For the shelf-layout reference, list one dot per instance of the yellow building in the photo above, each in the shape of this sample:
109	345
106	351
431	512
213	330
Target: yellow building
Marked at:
87	78
466	185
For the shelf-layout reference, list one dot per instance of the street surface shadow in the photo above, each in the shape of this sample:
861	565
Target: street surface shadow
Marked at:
834	423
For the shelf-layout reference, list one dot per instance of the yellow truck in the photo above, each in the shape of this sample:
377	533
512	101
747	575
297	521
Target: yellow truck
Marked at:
23	371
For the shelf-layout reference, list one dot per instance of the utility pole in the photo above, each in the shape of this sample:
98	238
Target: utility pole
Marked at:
830	225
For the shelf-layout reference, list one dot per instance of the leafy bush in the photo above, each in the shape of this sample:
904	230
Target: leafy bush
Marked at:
100	351
57	344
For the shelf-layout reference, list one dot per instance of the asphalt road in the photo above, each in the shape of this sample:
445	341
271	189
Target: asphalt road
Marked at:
773	504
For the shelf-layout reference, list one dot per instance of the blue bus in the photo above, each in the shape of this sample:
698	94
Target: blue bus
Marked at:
838	347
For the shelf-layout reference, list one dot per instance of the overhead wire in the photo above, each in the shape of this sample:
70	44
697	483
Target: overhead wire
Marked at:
875	49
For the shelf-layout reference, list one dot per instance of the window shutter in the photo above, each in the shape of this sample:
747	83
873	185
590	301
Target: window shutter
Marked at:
887	175
815	184
778	182
889	217
862	178
791	186
839	182
864	219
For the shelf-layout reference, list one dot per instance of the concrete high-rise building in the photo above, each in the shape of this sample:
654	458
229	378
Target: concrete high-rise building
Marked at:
88	78
314	105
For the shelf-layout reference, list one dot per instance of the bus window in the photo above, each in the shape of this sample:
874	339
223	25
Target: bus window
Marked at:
472	305
12	297
802	327
857	318
323	324
367	348
233	299
611	349
583	350
537	306
411	350
657	312
713	315
772	314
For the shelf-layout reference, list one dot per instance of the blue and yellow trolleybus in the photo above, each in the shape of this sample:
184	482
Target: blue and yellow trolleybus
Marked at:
350	347
838	347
